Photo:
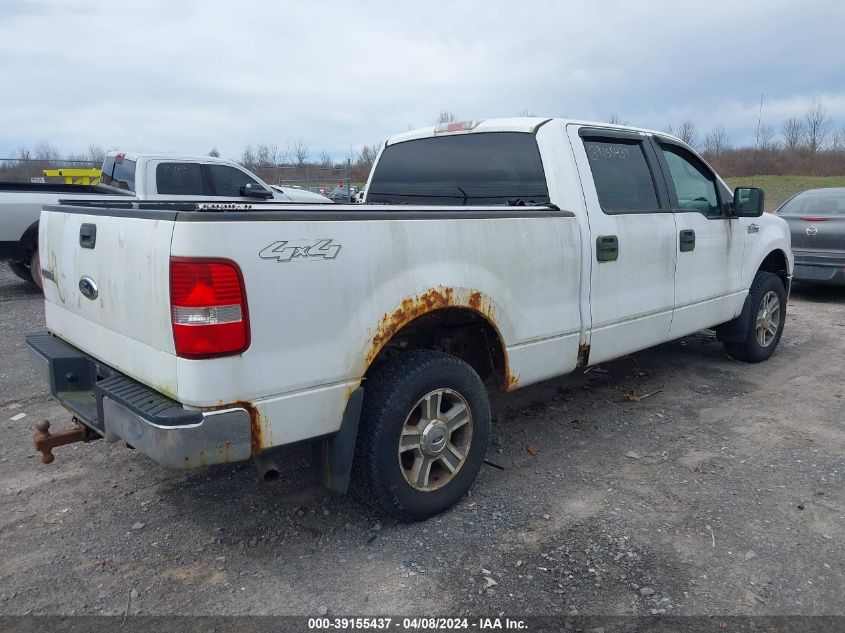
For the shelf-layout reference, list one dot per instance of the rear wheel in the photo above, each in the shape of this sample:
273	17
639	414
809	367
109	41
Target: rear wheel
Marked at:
768	315
423	434
20	270
35	270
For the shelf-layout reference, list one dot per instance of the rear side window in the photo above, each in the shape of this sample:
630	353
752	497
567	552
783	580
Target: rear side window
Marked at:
621	175
489	168
118	172
179	179
227	181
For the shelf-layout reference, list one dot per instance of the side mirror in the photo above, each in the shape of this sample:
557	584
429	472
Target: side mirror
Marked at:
252	190
748	202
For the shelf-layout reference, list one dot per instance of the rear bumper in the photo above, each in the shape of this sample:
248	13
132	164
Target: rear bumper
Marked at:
120	409
823	267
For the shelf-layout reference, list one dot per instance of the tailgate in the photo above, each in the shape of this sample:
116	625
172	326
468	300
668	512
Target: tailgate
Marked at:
106	288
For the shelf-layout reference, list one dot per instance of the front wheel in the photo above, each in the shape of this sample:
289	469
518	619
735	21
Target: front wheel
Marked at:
768	315
423	434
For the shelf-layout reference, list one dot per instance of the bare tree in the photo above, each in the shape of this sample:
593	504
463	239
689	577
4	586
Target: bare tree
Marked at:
248	157
793	133
24	154
96	154
445	116
839	140
46	152
817	126
267	155
325	159
615	119
766	141
299	151
367	155
688	133
669	130
214	153
716	141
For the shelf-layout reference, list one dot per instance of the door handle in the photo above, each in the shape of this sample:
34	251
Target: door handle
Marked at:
607	248
687	240
88	235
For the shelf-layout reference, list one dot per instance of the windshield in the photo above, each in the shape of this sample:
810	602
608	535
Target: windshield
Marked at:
816	203
463	169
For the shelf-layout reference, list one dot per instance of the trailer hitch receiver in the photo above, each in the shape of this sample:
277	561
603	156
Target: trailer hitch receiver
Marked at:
45	441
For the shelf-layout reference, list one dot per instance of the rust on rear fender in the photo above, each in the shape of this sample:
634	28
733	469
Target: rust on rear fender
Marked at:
436	299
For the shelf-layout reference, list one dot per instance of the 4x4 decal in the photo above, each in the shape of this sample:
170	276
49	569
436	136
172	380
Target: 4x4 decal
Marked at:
302	250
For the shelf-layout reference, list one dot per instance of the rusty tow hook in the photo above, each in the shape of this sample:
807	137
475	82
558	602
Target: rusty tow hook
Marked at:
45	441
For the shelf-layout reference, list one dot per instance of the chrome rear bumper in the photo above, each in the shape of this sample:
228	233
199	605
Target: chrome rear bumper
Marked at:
120	409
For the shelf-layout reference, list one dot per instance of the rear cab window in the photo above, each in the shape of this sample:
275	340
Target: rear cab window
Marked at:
118	172
482	168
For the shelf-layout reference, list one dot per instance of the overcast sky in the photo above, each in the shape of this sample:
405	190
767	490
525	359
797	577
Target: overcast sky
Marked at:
186	76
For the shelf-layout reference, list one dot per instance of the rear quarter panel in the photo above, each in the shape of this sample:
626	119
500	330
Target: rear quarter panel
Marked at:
317	322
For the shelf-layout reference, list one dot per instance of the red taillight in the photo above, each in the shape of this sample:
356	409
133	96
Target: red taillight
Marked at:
208	307
815	219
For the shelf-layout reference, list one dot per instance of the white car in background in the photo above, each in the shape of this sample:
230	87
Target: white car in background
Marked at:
128	176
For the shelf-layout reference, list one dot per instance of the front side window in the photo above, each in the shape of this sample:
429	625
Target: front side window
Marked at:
622	175
485	168
227	181
694	185
179	179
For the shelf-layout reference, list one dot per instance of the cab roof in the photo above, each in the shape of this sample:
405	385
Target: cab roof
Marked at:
167	156
511	124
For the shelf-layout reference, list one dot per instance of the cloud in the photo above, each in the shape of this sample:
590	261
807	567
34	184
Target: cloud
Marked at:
186	76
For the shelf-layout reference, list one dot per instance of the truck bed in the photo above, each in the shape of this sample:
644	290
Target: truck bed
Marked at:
325	286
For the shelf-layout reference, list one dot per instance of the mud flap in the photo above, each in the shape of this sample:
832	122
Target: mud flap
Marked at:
331	458
736	330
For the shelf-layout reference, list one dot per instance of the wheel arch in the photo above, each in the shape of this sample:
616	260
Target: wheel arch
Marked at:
777	262
459	323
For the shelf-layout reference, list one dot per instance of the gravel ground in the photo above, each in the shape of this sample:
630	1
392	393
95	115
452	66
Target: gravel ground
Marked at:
721	494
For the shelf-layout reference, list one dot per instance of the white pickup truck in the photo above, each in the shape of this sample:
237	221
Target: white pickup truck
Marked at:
127	176
490	254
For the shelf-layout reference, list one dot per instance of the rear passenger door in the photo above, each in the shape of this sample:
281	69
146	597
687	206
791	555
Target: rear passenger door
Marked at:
632	241
710	245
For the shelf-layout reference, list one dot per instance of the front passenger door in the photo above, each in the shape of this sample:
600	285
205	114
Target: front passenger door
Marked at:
710	245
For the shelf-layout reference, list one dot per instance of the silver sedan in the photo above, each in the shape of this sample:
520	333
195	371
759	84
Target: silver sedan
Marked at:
816	220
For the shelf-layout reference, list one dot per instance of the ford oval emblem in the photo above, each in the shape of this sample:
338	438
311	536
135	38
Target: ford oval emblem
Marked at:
88	288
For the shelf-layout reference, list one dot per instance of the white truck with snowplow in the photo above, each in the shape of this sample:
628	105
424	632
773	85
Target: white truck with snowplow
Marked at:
488	255
127	175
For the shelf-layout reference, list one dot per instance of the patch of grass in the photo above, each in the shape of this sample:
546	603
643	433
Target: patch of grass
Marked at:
779	188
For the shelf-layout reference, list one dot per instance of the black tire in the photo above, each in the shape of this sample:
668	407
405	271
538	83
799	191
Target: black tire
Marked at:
20	270
35	270
390	394
751	350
